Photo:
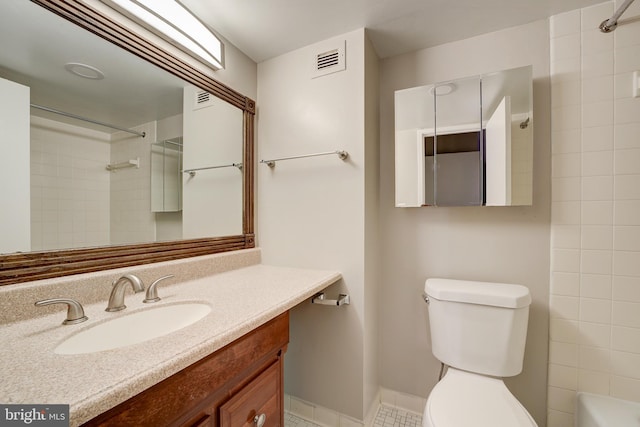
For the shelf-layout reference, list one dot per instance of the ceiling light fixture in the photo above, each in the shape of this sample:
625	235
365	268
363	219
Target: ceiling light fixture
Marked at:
84	70
172	21
443	89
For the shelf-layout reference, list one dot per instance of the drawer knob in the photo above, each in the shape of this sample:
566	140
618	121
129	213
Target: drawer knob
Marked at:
259	420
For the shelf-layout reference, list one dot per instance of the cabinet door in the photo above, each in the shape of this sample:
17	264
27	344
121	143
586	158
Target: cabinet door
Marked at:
498	155
261	396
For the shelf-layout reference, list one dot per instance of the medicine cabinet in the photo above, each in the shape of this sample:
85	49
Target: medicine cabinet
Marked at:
166	175
466	142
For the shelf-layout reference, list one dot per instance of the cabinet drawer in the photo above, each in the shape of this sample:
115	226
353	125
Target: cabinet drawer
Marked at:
263	395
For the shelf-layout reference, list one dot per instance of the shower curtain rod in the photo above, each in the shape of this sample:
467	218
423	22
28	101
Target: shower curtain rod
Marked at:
610	24
84	119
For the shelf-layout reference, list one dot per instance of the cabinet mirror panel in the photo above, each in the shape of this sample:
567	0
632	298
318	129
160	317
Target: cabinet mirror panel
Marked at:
467	142
101	130
166	175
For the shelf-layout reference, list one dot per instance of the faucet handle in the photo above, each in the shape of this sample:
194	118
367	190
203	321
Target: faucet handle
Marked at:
75	312
152	292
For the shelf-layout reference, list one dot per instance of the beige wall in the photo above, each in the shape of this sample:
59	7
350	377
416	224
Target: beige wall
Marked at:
595	283
313	213
503	244
213	137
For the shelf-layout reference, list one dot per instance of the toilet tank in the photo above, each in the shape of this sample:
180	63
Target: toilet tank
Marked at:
478	326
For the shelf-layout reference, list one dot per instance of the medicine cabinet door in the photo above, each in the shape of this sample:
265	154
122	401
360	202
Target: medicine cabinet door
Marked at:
454	151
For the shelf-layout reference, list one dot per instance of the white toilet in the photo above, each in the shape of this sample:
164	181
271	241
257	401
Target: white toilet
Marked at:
479	331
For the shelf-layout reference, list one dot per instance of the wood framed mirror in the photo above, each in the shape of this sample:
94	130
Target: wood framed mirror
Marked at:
22	267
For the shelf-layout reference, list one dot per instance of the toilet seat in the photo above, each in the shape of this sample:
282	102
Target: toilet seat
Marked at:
463	399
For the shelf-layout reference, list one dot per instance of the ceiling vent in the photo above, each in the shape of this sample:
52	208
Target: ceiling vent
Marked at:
203	99
329	61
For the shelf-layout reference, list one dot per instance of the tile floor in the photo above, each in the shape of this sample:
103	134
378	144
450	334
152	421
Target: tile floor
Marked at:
393	417
386	417
293	421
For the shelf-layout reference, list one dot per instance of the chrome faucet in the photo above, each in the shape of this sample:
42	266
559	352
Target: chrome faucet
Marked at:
75	312
116	299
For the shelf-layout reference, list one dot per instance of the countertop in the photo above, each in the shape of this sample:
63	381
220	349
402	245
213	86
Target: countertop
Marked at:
241	300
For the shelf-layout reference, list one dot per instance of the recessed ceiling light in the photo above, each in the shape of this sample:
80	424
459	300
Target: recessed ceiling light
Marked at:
84	70
443	89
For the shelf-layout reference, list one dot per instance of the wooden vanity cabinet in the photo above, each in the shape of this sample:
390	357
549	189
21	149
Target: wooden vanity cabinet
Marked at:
229	388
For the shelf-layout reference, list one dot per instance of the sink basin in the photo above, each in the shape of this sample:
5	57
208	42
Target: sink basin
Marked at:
134	328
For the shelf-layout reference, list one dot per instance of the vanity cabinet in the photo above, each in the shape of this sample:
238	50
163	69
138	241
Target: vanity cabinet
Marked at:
232	387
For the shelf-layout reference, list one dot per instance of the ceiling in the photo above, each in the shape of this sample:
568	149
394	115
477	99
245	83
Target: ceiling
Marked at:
35	45
268	28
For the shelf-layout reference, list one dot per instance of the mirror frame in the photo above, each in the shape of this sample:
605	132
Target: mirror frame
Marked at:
28	266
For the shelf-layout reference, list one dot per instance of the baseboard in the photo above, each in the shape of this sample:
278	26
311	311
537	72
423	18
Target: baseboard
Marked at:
370	417
318	414
406	402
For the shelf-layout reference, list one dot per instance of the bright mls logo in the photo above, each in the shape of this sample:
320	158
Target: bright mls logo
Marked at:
34	415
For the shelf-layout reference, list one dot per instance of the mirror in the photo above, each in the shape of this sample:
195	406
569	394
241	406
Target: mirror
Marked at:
79	173
467	142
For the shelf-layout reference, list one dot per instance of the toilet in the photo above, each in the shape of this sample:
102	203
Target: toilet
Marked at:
478	330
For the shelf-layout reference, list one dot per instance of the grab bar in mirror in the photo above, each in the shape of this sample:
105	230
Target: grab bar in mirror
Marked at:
193	171
341	154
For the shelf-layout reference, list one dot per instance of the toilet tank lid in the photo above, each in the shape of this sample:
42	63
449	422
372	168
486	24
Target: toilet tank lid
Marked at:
483	293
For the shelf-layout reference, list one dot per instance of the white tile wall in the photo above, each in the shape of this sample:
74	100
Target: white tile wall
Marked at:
595	278
75	201
131	218
69	186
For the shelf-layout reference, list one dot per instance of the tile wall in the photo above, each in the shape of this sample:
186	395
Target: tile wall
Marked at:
130	205
75	201
595	268
69	186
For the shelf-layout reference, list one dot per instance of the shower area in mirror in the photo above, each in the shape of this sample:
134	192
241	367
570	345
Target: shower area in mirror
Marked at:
166	175
95	188
166	187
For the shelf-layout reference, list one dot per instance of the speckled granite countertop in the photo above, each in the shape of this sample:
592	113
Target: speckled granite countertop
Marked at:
241	300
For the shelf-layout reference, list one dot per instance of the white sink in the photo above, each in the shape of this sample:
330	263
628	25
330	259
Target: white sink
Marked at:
134	328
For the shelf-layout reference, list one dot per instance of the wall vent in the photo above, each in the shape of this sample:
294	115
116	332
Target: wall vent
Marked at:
202	99
329	61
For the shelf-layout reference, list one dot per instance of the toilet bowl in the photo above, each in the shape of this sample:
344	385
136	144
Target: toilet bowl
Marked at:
478	330
467	399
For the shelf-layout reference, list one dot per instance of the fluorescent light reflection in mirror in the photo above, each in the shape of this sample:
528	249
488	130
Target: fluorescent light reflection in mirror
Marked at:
172	21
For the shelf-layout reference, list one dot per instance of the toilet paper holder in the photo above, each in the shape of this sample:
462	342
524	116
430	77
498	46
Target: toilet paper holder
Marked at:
319	298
